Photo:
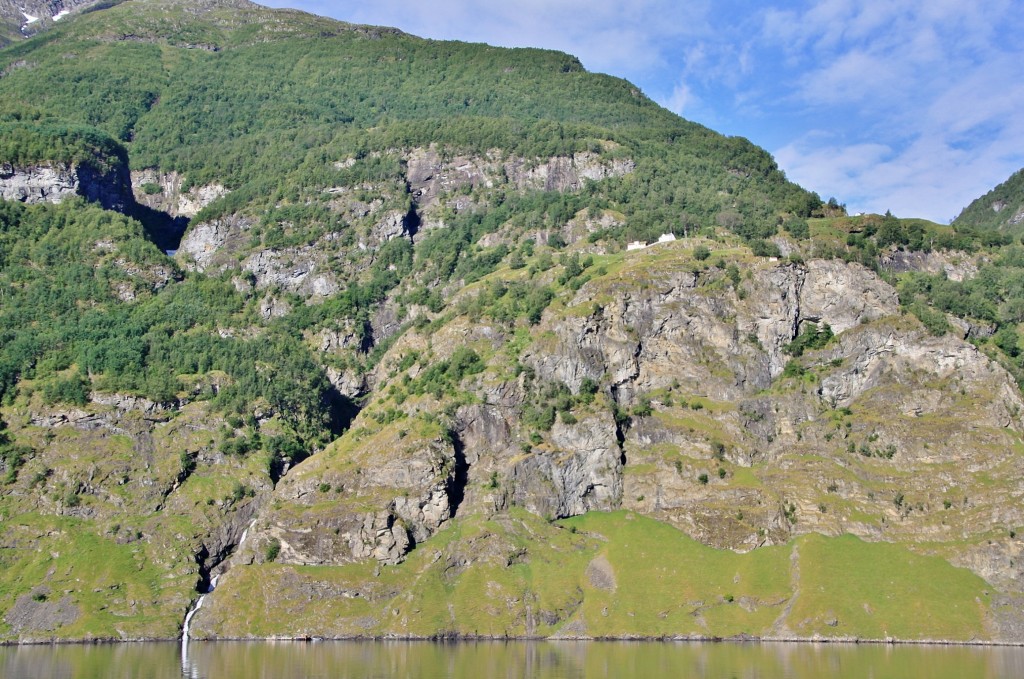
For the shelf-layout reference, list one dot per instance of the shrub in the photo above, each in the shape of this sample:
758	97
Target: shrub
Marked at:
797	228
273	550
793	369
643	407
763	248
813	336
718	450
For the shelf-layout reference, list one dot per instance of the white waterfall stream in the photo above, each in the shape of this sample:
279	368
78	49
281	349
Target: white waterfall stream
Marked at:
188	624
245	533
199	604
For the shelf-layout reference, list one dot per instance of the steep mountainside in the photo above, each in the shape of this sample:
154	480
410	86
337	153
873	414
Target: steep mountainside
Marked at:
354	326
1002	207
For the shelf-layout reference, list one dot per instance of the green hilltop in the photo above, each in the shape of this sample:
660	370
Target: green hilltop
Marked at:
1001	208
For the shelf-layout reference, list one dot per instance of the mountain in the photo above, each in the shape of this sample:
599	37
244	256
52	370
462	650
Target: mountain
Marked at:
1001	208
20	19
384	336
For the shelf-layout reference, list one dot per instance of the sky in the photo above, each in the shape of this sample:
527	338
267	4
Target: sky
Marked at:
913	106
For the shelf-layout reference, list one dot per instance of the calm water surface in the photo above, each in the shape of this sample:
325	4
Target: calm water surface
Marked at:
513	660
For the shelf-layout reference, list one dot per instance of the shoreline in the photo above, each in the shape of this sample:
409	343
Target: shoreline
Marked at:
463	639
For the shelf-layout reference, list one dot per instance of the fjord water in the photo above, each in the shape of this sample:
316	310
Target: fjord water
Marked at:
540	660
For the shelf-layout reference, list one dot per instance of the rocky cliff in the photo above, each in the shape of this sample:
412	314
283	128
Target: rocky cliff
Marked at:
500	470
56	182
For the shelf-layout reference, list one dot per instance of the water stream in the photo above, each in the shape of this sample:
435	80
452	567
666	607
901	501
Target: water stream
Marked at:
186	626
245	534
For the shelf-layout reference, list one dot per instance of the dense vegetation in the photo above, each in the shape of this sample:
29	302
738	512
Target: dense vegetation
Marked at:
29	142
249	113
65	273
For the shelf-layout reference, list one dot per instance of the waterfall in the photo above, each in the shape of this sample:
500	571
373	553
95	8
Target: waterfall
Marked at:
185	667
188	624
245	533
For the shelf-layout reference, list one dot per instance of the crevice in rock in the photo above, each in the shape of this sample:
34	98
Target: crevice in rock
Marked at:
202	557
395	522
620	426
366	339
221	544
342	410
412	222
460	478
161	228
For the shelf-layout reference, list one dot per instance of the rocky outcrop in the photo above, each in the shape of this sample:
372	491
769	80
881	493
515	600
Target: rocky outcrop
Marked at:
376	503
54	183
679	331
217	241
844	295
564	173
431	175
956	266
163	191
293	269
581	471
220	244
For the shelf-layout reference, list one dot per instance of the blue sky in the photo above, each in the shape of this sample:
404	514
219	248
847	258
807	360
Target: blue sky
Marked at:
911	106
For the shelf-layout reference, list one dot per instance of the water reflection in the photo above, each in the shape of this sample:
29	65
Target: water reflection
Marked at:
512	660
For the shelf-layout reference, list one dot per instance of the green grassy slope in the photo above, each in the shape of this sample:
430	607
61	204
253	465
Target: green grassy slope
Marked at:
618	574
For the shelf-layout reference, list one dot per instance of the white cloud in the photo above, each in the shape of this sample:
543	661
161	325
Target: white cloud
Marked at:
856	76
682	97
937	84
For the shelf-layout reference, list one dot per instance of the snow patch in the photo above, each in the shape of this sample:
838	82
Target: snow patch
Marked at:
29	19
61	14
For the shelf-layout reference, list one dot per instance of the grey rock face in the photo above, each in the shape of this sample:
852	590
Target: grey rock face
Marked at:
211	242
582	473
56	183
957	266
844	295
217	245
564	173
431	175
375	511
37	184
170	198
676	330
